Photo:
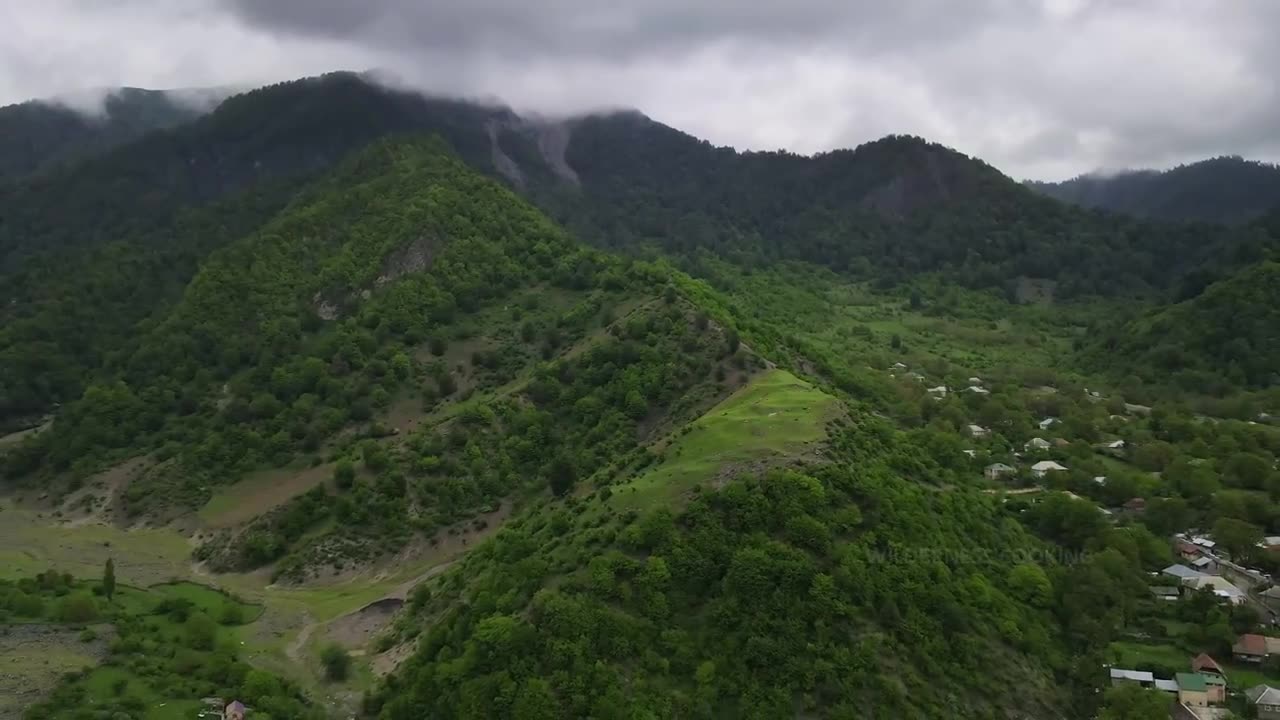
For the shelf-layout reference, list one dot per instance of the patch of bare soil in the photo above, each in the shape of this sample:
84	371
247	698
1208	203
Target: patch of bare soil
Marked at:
384	663
355	630
34	657
98	501
16	437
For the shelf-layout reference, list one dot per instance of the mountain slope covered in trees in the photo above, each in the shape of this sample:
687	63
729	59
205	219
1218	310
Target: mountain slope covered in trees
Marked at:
92	250
1223	190
884	211
1225	336
40	136
328	329
575	371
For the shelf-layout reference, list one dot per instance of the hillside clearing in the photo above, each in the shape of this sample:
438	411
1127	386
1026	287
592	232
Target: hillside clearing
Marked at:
774	417
260	492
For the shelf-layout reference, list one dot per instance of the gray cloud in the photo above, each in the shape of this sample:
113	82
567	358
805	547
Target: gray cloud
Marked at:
1039	88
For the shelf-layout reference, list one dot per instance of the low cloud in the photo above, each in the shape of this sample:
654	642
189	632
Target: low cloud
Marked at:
1041	89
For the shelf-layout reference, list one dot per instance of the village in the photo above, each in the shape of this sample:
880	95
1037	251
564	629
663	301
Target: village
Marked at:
1208	636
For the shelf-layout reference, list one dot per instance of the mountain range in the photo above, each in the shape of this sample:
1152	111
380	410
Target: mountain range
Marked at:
1221	190
650	413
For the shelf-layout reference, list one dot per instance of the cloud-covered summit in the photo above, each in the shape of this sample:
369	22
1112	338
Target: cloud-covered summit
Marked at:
1039	88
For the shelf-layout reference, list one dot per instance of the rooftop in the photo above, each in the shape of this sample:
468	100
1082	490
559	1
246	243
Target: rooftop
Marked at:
1134	675
1263	695
1193	682
1250	644
1182	571
1203	662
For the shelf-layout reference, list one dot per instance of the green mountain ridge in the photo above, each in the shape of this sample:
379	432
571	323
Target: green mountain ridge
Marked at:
244	371
1222	189
40	136
886	211
1226	334
705	449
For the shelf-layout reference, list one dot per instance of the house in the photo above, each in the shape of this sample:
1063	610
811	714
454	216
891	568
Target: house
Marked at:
1047	423
1271	543
977	431
995	471
1219	586
1061	442
1217	688
899	366
1181	573
1169	686
1204	542
1037	444
1141	677
1205	565
1100	479
212	710
914	376
1136	409
1135	505
1193	691
1114	447
1265	700
938	392
1250	648
1202	663
1044	467
1188	550
1164	593
977	390
975	381
235	711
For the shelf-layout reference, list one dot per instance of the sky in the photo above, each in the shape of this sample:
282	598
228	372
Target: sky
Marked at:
1042	89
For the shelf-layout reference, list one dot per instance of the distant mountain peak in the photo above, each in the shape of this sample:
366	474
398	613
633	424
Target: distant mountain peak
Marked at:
1227	188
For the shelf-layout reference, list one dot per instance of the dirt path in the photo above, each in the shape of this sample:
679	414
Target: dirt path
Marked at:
401	593
294	649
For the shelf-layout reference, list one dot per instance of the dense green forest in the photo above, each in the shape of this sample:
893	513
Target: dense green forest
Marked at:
40	136
717	425
93	252
1226	336
1223	189
885	211
848	589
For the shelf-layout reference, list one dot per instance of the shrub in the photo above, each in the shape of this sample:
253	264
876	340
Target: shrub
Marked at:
336	661
77	607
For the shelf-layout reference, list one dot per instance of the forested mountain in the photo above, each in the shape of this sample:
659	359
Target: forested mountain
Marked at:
641	404
1223	189
883	212
39	136
91	250
1225	336
565	382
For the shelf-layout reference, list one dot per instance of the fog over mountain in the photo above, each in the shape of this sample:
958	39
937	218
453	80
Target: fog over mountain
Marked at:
1044	90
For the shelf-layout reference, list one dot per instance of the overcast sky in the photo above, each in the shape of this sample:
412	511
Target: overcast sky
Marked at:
1039	88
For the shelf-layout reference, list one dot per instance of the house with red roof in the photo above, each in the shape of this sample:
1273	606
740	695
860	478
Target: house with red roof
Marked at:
1202	663
1250	648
